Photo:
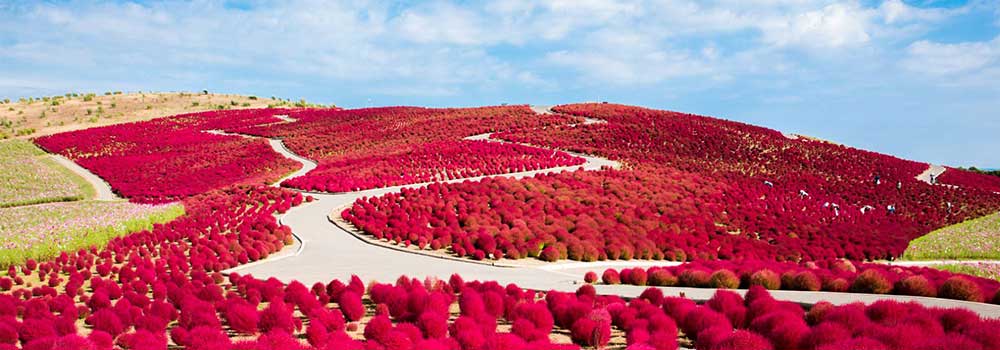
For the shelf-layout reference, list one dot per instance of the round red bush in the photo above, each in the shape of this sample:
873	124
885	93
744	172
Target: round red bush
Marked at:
826	333
591	333
242	317
637	276
611	276
766	278
725	279
837	284
550	254
694	278
590	277
744	340
662	278
277	316
871	281
807	281
350	304
915	285
960	288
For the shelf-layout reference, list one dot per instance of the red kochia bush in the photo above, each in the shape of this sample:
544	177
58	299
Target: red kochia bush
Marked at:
242	317
827	275
610	276
744	340
806	280
350	304
871	281
433	324
729	304
277	316
589	332
916	285
661	278
694	278
765	278
724	279
960	288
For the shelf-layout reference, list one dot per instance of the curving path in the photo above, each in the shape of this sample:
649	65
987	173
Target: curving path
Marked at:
328	252
102	190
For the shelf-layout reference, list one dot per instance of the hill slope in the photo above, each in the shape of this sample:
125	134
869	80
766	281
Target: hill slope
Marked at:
51	115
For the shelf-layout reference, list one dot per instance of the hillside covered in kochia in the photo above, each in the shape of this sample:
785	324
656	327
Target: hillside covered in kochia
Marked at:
696	188
691	188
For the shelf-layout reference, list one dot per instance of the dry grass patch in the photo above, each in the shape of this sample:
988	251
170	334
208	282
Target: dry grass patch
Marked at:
50	115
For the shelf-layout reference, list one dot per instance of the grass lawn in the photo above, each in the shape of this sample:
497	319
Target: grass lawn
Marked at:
973	239
986	270
43	231
30	176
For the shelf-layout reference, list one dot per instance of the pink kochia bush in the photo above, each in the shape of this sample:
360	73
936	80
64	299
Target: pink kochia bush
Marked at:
828	275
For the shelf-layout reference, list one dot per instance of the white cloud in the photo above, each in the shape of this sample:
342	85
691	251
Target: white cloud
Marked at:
940	59
624	58
833	26
448	45
895	11
444	23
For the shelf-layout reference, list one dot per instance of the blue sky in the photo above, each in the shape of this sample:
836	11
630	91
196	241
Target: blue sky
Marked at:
919	79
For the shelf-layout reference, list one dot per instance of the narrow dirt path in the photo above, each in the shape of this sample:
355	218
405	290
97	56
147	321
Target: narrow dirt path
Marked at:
328	252
102	190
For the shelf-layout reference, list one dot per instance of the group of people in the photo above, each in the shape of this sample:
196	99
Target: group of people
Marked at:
891	208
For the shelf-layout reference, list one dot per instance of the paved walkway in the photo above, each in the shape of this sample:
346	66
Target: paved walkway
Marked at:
101	188
935	170
548	110
307	165
327	252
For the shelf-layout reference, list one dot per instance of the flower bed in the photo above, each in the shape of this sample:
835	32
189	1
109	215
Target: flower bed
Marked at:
974	239
43	231
990	270
830	276
166	159
29	176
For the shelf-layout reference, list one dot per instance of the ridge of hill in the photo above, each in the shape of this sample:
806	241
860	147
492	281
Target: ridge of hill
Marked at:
33	117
